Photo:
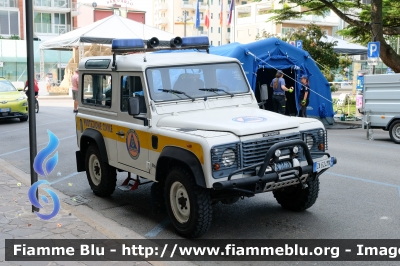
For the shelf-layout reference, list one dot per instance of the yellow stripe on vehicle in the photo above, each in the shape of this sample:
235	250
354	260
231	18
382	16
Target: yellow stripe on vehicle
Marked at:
109	131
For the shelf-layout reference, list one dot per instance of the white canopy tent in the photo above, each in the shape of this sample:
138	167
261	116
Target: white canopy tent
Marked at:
345	47
103	32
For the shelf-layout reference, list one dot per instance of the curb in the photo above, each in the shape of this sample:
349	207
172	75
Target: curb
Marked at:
104	225
350	123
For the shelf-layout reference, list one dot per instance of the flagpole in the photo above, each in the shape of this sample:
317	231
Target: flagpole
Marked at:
234	24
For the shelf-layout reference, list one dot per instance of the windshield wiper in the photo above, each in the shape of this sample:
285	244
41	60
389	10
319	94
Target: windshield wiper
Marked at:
177	92
215	91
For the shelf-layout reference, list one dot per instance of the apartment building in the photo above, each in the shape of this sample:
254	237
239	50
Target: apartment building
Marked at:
92	12
51	18
252	21
169	15
249	19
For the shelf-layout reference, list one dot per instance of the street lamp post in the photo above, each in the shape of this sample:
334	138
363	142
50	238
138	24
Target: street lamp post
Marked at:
185	13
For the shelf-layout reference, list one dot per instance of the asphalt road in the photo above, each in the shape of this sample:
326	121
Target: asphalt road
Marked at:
359	197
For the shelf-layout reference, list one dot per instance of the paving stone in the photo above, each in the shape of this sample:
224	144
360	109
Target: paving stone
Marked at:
41	234
22	232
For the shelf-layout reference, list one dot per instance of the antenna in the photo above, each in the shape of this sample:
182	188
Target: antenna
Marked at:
144	57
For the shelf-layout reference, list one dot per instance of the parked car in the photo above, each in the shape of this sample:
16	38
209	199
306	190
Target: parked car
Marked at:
13	104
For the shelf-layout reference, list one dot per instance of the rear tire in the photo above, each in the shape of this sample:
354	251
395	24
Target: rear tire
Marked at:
394	132
188	205
295	198
101	176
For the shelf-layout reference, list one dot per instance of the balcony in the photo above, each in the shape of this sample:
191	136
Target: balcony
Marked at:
48	28
161	21
161	7
8	3
75	9
188	5
51	3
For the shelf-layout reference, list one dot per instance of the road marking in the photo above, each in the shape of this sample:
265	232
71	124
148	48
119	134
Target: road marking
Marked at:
65	177
7	153
156	230
38	125
366	180
368	142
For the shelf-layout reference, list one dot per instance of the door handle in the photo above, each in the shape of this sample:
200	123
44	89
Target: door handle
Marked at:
120	133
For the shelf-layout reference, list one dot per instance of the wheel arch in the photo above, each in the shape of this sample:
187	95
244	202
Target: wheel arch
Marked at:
169	155
393	120
93	136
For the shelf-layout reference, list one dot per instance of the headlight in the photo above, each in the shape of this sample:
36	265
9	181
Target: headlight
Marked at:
25	104
21	98
228	157
315	139
309	140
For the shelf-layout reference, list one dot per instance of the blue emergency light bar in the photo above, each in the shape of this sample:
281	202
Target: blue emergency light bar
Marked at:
127	44
130	45
195	41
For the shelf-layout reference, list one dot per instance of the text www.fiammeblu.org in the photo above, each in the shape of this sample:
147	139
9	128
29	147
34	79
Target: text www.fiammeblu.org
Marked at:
234	250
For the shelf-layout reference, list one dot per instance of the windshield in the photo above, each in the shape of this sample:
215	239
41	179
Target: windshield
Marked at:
190	82
6	86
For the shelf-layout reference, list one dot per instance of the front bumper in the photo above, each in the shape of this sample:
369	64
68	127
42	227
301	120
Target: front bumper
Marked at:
13	115
272	179
14	109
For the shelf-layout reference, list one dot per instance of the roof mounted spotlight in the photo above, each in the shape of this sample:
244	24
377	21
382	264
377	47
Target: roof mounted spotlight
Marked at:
127	45
153	42
176	42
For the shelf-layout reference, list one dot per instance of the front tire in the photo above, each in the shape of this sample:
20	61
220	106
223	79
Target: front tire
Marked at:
23	119
188	205
394	132
295	198
36	106
101	176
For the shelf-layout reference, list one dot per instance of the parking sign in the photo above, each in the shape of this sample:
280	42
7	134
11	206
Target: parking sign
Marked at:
299	44
373	49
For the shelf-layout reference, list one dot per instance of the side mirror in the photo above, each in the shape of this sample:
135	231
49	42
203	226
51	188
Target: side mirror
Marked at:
20	89
133	106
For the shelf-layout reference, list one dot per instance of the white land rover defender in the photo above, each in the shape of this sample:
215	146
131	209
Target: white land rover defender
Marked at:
190	123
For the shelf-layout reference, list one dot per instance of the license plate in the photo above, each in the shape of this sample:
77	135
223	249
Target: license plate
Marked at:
5	110
326	163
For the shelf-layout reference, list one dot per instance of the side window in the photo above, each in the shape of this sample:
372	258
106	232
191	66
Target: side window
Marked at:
131	86
97	90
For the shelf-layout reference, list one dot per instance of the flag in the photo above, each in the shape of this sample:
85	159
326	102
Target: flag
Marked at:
197	25
221	17
231	8
207	18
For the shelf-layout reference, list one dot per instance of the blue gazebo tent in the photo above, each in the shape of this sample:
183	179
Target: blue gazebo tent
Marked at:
261	60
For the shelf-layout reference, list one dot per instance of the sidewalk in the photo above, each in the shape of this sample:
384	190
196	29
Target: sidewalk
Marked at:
72	222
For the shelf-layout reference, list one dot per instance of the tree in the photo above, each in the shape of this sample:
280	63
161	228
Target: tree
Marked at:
321	51
366	22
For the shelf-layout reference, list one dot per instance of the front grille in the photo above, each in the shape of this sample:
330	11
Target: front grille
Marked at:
254	151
